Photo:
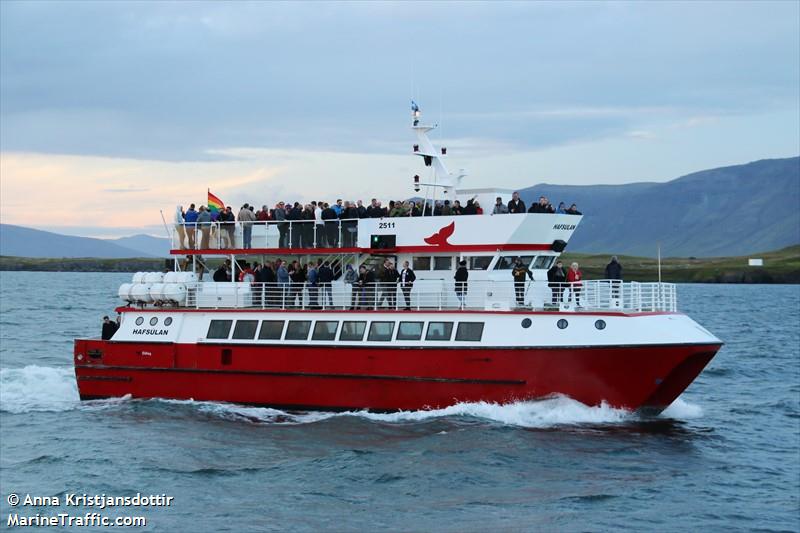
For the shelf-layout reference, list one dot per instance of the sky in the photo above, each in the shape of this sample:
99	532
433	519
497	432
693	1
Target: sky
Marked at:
113	111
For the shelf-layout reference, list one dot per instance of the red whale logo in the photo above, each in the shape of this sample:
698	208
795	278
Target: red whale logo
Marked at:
440	237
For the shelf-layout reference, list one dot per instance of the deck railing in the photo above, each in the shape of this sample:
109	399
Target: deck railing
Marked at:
337	233
593	295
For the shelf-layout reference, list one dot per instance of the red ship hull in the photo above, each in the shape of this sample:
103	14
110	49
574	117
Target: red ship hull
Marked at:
387	379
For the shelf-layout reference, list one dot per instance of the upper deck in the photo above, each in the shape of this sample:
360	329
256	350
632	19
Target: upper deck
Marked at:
433	234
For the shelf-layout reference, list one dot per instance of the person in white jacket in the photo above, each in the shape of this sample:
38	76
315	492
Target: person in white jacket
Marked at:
179	229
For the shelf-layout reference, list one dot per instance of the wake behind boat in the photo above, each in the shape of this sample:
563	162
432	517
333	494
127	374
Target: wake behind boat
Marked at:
463	330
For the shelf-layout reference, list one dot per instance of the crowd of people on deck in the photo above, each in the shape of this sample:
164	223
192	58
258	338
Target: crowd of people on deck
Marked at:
516	205
323	224
372	286
282	283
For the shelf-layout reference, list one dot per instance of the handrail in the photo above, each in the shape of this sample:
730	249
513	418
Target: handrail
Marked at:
590	295
336	233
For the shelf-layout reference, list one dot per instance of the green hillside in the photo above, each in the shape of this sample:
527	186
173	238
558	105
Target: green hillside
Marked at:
781	266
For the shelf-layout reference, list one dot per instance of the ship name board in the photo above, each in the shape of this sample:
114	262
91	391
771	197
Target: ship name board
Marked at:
564	226
151	332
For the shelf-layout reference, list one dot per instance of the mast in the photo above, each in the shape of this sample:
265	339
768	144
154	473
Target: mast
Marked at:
442	178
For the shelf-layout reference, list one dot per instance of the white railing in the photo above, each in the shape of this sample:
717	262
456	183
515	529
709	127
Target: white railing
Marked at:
337	233
593	295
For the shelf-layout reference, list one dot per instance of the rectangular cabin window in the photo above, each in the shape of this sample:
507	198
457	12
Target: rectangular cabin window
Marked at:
325	330
219	329
421	263
380	331
439	331
297	330
443	263
409	331
543	262
479	262
271	330
469	331
245	329
352	331
506	262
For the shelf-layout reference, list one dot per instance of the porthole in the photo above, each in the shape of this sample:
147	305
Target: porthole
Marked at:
600	324
154	321
562	324
140	321
526	323
168	321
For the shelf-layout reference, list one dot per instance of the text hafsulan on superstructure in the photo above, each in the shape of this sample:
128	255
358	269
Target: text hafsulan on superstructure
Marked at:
388	346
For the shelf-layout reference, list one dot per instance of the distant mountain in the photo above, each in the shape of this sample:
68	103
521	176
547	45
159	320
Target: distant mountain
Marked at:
145	244
737	210
27	242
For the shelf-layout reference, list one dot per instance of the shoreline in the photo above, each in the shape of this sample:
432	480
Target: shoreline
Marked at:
780	267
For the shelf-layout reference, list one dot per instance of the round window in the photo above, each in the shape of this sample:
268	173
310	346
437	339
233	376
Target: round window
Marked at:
168	321
153	321
562	324
526	323
139	321
600	324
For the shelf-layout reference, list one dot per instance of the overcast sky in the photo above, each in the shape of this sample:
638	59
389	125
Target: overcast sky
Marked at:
110	111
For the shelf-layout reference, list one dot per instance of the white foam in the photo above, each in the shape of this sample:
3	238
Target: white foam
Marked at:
37	388
550	412
682	410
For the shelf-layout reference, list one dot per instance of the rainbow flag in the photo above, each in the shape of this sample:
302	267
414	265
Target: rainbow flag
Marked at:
215	205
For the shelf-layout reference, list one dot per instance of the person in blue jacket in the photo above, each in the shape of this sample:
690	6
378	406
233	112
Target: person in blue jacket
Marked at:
190	218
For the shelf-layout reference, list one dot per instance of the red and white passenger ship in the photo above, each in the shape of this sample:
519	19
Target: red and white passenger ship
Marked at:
185	338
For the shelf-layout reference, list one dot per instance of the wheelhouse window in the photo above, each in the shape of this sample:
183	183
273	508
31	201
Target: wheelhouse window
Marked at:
219	329
352	331
506	262
479	262
443	263
245	329
469	331
439	331
271	330
543	262
409	331
380	331
421	263
297	330
325	330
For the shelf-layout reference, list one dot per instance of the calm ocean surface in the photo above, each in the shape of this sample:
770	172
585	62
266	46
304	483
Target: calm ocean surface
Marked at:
725	456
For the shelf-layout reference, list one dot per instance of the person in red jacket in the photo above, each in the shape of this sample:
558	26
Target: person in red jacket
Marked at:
574	277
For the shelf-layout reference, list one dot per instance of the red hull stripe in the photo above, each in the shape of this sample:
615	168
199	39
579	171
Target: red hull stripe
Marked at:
382	251
301	375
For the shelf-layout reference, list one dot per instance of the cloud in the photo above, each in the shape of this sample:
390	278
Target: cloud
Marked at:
183	82
126	190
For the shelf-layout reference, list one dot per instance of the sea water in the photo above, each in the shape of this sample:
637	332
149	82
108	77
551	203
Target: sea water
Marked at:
724	456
